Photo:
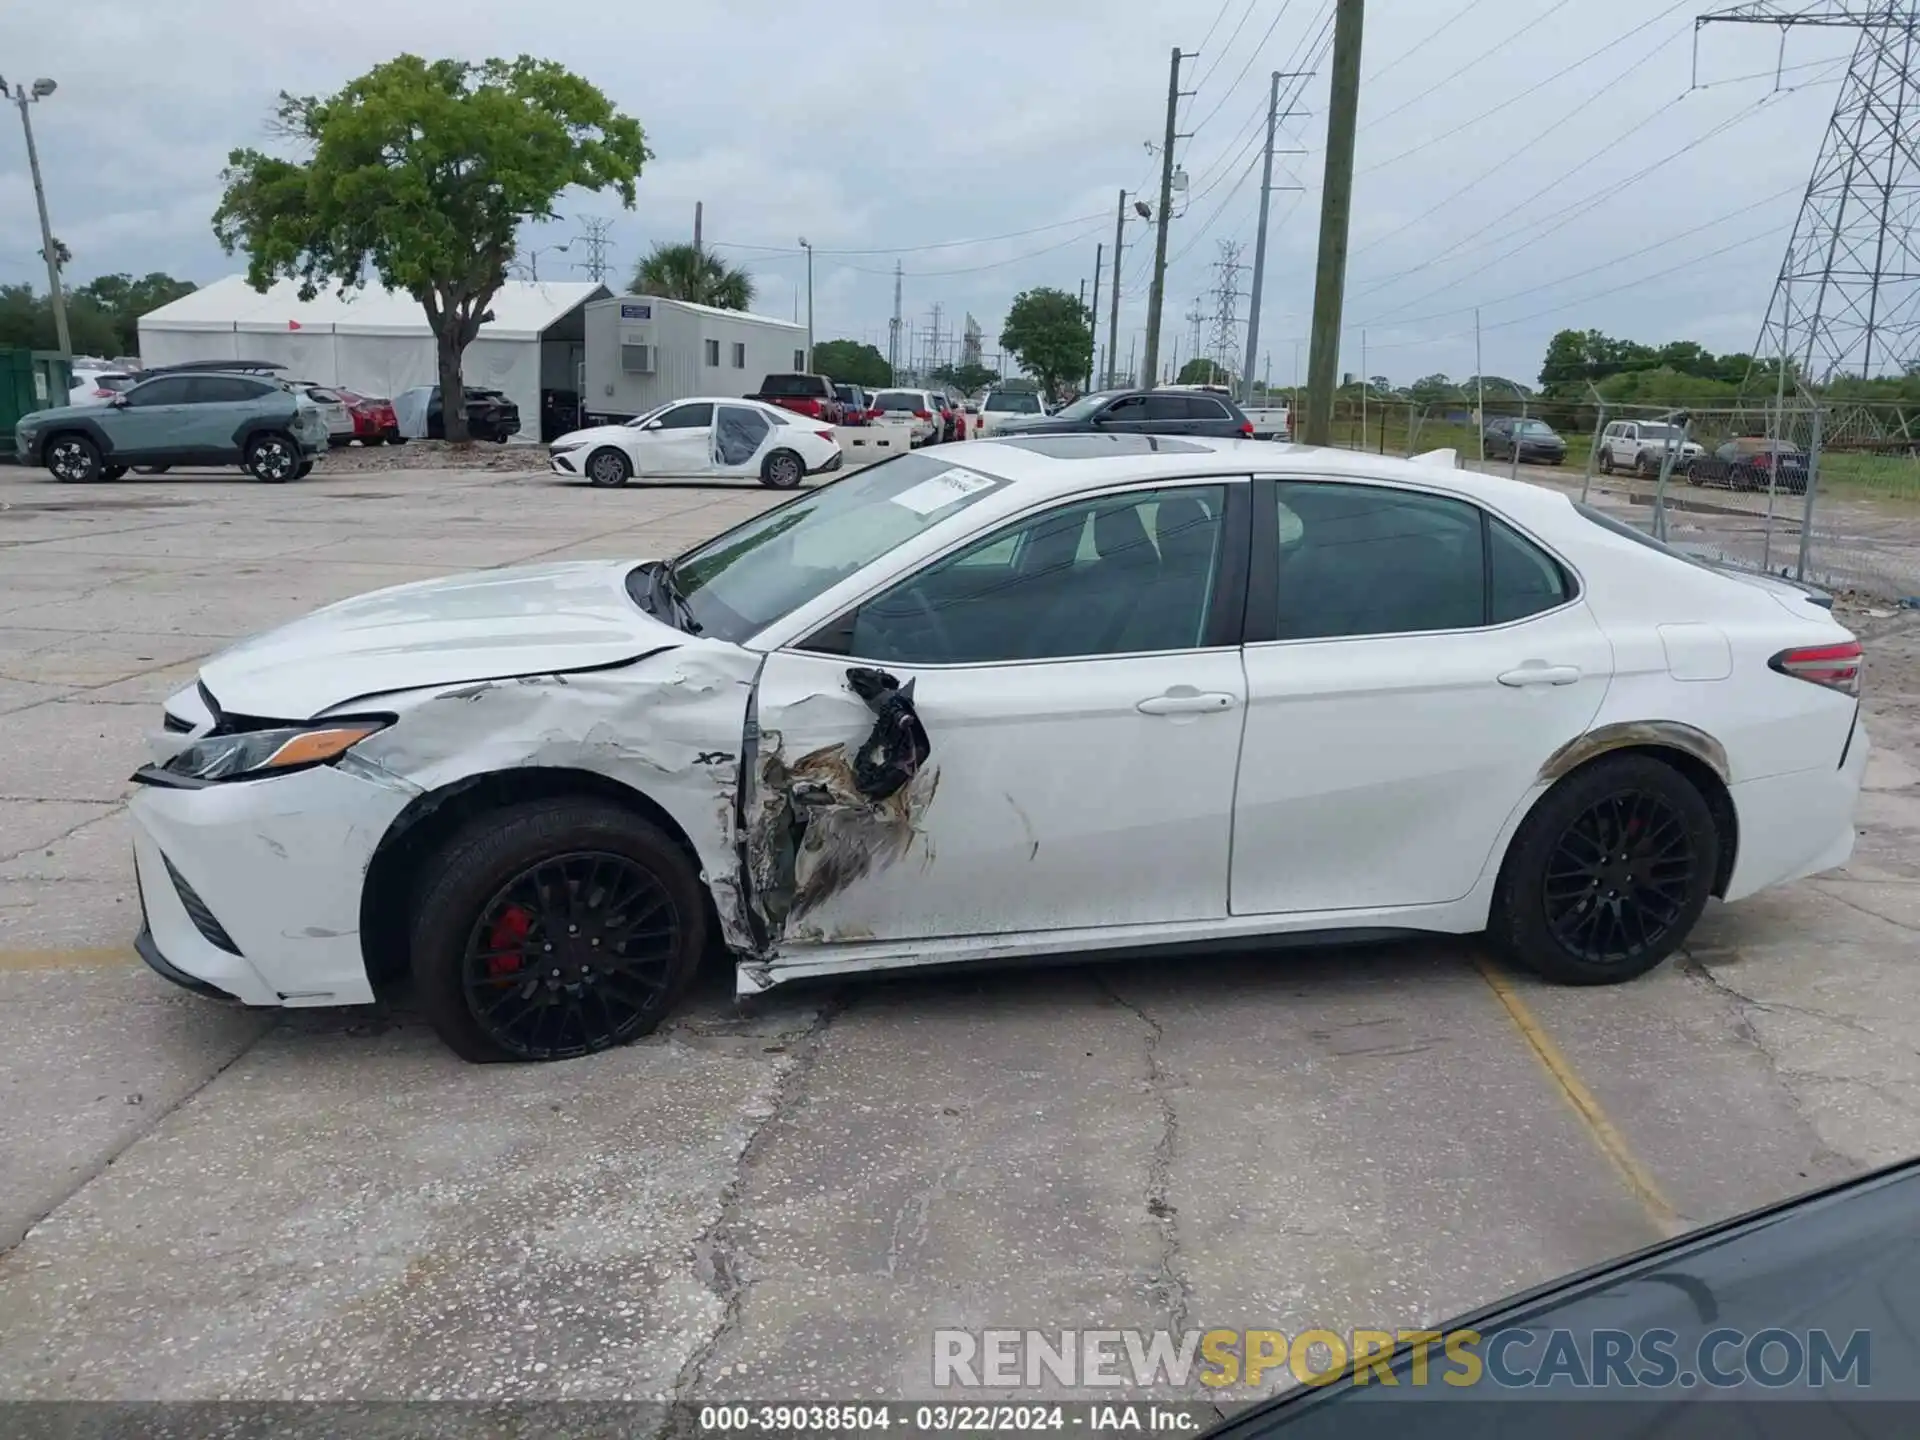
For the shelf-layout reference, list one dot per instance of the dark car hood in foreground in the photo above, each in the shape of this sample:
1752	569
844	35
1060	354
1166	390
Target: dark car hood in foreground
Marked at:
1842	1263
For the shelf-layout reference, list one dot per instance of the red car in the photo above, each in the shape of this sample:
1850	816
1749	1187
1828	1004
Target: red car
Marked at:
374	422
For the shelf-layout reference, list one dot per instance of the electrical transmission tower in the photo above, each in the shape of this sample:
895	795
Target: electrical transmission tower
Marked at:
1196	319
1847	300
1225	346
596	245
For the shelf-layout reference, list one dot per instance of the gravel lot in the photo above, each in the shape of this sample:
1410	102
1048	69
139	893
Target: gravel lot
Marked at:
784	1200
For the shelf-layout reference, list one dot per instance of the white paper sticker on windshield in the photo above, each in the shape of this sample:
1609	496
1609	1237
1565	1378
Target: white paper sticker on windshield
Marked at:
941	491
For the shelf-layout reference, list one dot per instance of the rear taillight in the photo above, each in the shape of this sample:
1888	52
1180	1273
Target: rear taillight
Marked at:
824	434
104	394
1246	427
923	414
1835	666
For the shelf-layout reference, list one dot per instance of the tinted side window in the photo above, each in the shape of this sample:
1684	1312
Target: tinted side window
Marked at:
687	417
225	390
1522	578
1205	407
1133	408
1356	560
1120	575
168	390
1169	407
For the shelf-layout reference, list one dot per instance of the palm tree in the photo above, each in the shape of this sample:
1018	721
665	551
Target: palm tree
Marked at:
687	272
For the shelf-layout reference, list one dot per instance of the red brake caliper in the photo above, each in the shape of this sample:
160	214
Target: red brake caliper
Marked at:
509	933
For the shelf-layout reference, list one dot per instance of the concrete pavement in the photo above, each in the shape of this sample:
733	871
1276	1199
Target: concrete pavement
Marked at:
785	1200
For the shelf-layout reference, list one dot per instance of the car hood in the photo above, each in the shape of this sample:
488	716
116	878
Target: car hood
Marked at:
535	620
593	435
57	412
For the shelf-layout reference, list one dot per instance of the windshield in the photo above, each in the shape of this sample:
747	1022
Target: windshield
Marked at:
1085	406
637	421
1017	402
1662	432
794	385
1532	427
742	581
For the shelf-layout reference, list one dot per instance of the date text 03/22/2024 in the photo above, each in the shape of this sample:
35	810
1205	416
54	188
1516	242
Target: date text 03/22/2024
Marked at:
935	1418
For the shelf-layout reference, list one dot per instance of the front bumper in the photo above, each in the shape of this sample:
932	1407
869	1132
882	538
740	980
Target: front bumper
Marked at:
565	462
253	888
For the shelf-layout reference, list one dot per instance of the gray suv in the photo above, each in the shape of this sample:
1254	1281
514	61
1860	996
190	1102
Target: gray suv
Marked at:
202	418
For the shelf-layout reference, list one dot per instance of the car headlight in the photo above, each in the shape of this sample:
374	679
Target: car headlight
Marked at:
254	753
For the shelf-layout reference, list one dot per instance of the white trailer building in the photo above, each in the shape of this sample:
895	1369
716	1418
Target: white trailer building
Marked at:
642	351
377	341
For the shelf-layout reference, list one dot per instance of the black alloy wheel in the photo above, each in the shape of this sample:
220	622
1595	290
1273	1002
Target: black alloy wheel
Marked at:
73	459
272	459
1619	878
573	955
1608	873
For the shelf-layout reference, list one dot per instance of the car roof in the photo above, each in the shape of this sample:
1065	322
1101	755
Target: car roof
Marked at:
1040	466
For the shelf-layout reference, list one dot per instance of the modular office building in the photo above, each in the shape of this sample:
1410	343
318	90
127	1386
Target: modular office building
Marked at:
642	351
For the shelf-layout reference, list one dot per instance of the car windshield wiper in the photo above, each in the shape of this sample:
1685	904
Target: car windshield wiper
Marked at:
662	585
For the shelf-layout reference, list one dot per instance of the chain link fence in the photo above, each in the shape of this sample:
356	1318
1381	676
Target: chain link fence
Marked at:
1821	490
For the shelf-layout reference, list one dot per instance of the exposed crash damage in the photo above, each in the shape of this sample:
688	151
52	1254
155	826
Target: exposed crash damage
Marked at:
818	824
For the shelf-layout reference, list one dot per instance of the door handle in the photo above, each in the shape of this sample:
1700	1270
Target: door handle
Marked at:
1185	701
1536	672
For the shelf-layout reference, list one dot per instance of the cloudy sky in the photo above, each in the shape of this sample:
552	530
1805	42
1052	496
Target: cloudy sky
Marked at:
1543	160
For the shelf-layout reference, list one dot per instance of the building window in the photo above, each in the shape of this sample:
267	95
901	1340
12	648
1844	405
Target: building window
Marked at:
739	355
713	353
799	359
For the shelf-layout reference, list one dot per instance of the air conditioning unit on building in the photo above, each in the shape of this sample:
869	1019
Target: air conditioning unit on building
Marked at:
637	359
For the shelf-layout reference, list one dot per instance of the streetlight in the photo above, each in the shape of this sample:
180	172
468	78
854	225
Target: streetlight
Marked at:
809	249
22	95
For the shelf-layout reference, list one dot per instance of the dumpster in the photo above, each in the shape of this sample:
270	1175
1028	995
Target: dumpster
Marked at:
30	380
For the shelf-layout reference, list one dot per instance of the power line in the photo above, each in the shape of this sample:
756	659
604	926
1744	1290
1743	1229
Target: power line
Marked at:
1486	54
1225	45
1531	89
1252	55
1421	43
1563	219
911	249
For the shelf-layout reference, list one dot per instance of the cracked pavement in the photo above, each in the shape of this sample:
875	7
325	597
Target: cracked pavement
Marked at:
785	1200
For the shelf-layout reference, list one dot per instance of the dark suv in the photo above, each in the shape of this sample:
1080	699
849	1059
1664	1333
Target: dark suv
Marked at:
1138	412
202	417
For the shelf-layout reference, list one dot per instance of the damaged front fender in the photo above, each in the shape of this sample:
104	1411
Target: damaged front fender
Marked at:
816	824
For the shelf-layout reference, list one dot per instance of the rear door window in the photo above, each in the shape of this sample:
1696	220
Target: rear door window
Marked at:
167	390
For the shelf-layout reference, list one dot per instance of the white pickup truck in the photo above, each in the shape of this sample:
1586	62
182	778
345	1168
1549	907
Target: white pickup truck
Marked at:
1270	422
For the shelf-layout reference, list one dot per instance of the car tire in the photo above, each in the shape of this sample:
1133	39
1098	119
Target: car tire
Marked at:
1606	462
1693	473
782	470
112	472
396	439
305	469
1545	920
272	459
1644	467
73	459
608	466
490	873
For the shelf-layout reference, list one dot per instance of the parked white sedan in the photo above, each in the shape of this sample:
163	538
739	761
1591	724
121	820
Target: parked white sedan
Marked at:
1077	694
701	436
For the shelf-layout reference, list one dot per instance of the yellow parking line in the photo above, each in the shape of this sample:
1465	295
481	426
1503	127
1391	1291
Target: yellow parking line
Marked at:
66	959
1606	1135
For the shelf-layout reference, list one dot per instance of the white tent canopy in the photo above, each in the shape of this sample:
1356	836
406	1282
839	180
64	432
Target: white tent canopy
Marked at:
377	341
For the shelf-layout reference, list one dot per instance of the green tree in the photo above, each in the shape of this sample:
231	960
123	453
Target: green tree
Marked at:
1051	334
968	379
26	323
125	299
423	172
852	363
1432	389
1202	371
688	272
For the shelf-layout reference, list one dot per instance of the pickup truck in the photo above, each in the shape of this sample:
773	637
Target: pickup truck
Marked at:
809	395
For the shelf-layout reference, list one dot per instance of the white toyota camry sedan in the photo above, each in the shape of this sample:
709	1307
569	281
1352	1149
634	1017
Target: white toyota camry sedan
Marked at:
1067	695
701	436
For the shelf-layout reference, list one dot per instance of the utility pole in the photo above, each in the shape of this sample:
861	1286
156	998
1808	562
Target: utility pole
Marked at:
1165	211
1336	206
1479	387
1113	314
893	327
1093	315
809	249
696	224
1260	239
24	96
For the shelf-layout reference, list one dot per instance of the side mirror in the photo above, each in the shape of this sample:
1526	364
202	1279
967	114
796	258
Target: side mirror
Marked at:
118	402
651	425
